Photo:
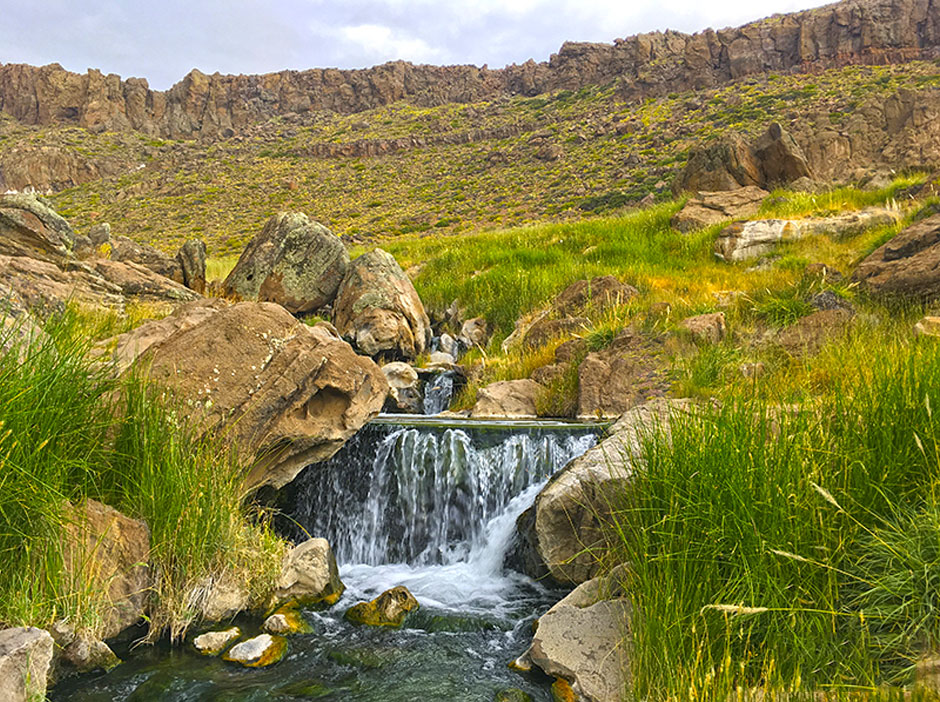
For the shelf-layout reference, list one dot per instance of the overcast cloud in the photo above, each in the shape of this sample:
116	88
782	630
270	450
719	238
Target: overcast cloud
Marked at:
162	41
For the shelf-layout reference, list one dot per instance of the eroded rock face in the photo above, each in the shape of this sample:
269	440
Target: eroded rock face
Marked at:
907	266
597	294
129	251
309	574
287	394
294	261
110	553
46	288
139	282
507	398
563	527
378	310
708	208
30	227
25	658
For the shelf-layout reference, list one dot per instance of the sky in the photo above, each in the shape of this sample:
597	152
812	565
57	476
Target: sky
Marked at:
163	40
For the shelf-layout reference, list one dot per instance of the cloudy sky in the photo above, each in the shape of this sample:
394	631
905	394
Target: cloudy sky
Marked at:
162	41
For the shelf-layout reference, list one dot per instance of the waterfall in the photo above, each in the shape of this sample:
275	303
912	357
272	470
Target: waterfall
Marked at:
428	495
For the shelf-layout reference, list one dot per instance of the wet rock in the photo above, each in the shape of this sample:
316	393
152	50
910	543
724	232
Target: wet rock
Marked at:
388	609
25	658
287	395
128	251
286	621
309	575
378	310
258	652
597	294
513	694
81	652
405	388
706	328
507	398
544	330
449	345
707	208
441	359
212	643
294	261
107	552
475	332
192	260
907	265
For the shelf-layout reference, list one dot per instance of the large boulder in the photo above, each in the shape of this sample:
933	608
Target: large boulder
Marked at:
46	288
597	294
109	553
388	609
25	658
633	369
286	394
561	534
507	398
129	251
294	261
30	227
378	310
309	575
580	640
781	159
140	282
544	330
708	208
907	266
192	261
726	165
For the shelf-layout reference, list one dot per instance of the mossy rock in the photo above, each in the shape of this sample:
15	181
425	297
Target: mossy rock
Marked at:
562	692
258	652
388	609
287	620
513	694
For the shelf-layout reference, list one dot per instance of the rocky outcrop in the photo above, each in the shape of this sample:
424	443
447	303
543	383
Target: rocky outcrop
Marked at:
52	168
294	261
854	31
129	251
109	553
707	208
139	282
597	294
378	310
25	659
192	261
286	394
544	330
309	575
507	398
907	266
388	609
561	534
45	287
30	227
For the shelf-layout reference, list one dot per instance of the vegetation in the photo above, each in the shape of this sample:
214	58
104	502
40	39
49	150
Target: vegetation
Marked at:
70	432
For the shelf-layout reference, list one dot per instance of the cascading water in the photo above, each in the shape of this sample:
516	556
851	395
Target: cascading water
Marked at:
438	392
421	503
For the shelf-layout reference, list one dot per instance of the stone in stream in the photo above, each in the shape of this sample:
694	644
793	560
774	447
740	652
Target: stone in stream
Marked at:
212	643
82	652
287	620
388	609
258	652
309	575
25	658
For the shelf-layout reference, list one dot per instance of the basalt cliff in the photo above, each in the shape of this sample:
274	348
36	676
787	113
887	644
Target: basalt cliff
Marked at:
214	106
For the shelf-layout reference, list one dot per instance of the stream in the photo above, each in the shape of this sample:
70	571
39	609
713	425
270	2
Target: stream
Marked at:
417	501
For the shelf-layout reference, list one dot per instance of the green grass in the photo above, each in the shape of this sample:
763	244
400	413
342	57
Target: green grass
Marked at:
68	432
790	549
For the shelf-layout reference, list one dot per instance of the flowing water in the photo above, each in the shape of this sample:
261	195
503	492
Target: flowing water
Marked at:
409	501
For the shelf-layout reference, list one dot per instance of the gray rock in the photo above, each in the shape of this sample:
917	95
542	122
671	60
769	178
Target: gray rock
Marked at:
707	328
192	260
25	657
212	643
100	234
128	251
309	574
907	265
258	652
30	227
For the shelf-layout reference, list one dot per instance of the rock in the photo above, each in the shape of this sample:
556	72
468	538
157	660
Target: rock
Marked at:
706	328
128	251
549	152
212	643
632	370
544	330
580	640
378	310
219	598
30	227
192	261
45	288
82	247
100	234
781	158
82	652
400	375
17	326
907	265
598	294
405	388
708	208
258	652
309	575
439	358
448	344
109	553
928	326
522	327
823	272
294	261
746	240
808	334
561	535
507	398
287	395
140	282
286	621
388	609
25	658
828	300
475	331
848	224
727	165
513	694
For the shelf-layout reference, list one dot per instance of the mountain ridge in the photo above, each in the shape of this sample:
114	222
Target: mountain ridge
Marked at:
645	65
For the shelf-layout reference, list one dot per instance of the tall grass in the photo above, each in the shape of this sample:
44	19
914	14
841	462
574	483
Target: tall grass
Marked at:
789	548
69	431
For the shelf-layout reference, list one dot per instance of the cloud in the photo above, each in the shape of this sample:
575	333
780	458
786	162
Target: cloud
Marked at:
377	43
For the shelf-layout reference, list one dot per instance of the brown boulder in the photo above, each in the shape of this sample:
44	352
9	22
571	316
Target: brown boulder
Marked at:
128	251
907	266
728	165
29	227
378	310
192	261
630	371
45	287
781	159
808	334
108	553
140	282
309	574
708	208
544	330
598	293
388	609
286	394
294	261
507	398
707	328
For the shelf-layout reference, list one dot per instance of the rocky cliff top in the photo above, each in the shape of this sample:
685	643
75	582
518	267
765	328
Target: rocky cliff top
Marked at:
852	31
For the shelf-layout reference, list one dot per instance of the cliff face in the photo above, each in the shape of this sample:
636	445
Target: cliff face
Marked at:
852	31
